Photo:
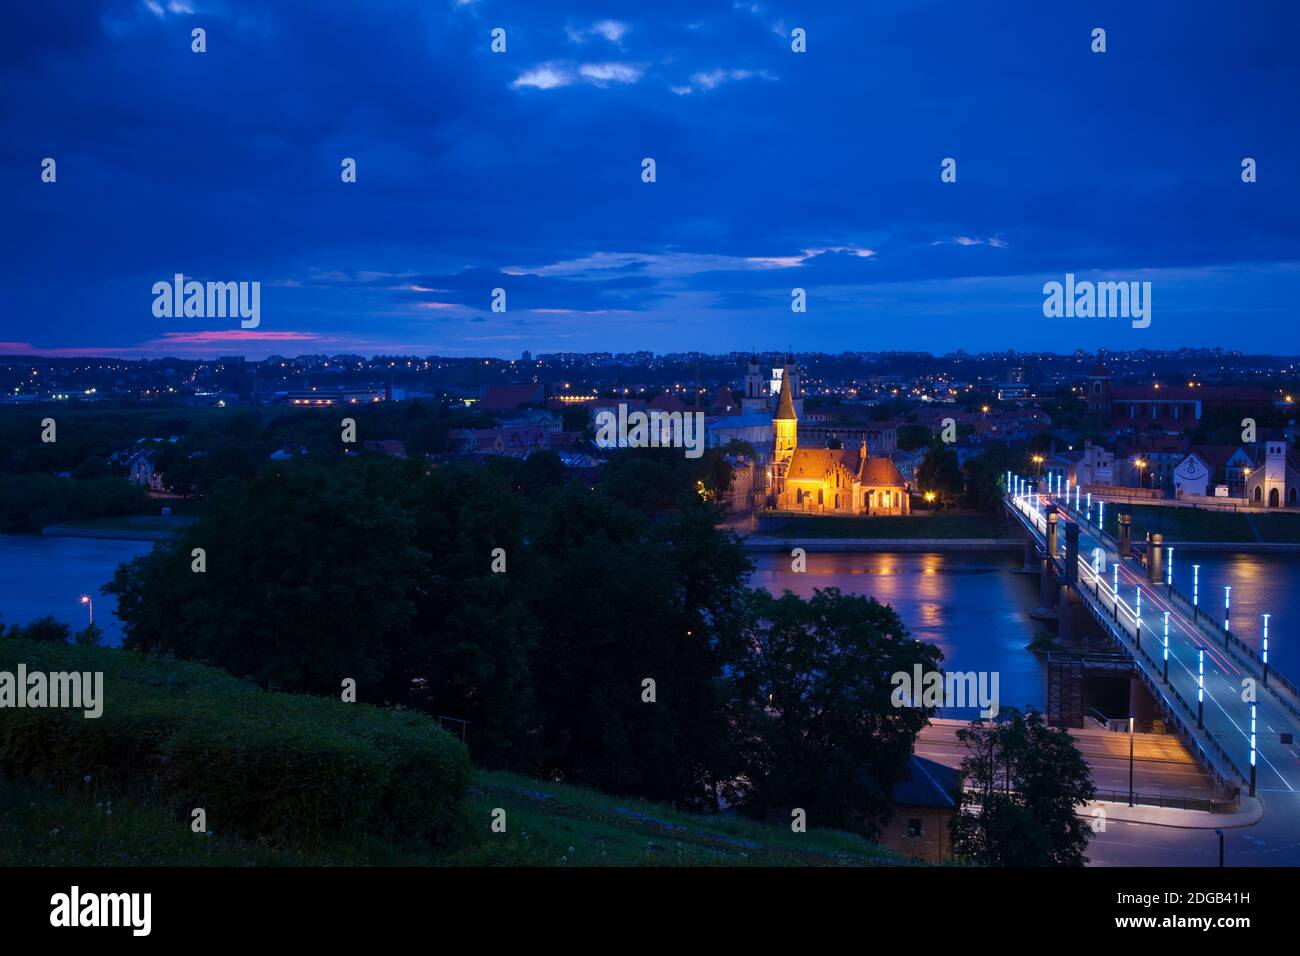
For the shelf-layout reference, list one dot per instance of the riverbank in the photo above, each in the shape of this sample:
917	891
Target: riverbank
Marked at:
767	543
929	526
130	528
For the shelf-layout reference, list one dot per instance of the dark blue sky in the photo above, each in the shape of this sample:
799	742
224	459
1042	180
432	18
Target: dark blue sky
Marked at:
522	170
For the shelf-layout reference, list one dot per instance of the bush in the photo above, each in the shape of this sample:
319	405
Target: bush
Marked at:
260	764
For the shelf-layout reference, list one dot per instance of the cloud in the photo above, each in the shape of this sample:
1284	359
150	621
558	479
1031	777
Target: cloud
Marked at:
550	76
230	336
611	30
544	77
707	80
604	73
996	242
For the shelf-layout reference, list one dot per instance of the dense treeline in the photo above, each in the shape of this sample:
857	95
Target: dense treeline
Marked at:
616	644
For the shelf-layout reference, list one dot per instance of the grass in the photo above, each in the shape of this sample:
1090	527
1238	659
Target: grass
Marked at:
891	526
547	824
1188	524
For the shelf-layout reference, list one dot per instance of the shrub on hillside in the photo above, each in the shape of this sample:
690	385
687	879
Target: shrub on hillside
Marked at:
261	764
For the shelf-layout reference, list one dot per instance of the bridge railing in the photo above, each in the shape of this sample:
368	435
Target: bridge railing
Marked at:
1178	709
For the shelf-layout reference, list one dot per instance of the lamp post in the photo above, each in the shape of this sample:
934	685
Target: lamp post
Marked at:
1227	608
1266	617
1130	761
1200	688
1038	461
90	606
1169	570
1114	588
1252	749
1101	516
1137	617
1219	834
1166	647
1196	591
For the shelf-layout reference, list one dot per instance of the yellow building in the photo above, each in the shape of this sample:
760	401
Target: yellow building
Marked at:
830	480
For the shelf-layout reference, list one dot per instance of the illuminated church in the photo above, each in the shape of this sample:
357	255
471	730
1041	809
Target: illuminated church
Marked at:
829	480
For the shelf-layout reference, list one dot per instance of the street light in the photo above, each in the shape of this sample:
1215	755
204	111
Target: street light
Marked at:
1252	749
90	606
1196	590
1227	607
1200	688
1038	460
1166	647
1114	588
1139	464
1169	570
1101	517
1266	617
1130	760
1137	617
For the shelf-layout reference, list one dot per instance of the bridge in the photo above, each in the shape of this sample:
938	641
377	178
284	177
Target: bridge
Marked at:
1239	715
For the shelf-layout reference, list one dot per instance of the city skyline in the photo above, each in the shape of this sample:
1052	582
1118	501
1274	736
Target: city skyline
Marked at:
521	170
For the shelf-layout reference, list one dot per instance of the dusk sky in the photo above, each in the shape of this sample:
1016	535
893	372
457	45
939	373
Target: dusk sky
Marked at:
522	170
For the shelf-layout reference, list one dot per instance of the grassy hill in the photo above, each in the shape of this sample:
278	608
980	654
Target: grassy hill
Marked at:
287	779
547	824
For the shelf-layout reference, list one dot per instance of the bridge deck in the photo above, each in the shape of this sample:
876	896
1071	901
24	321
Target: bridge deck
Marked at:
1222	736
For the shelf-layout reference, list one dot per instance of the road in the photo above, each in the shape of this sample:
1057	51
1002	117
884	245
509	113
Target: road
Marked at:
1227	716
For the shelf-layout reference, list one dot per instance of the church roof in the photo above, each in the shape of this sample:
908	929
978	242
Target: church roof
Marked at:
724	402
1099	371
879	471
785	405
813	464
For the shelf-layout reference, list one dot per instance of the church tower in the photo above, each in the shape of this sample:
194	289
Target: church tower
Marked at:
1099	390
785	425
754	398
794	377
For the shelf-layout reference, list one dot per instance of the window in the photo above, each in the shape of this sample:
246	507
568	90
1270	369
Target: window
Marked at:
914	827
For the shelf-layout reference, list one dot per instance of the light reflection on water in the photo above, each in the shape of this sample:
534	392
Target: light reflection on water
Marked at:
969	605
977	613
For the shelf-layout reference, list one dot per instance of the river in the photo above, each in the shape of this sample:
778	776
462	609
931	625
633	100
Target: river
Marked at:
47	575
977	612
970	605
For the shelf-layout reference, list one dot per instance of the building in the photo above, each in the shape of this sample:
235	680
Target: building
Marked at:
1172	409
1095	467
924	807
1274	482
1210	467
829	480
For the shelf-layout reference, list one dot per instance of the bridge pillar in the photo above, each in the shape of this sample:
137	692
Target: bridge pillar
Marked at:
1125	535
1031	555
1065	611
1052	519
1156	559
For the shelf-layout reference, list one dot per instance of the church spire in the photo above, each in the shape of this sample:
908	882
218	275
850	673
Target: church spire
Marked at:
785	404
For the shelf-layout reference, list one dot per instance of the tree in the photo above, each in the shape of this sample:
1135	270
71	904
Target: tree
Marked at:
940	473
309	580
816	726
912	437
986	475
1023	784
89	636
45	629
